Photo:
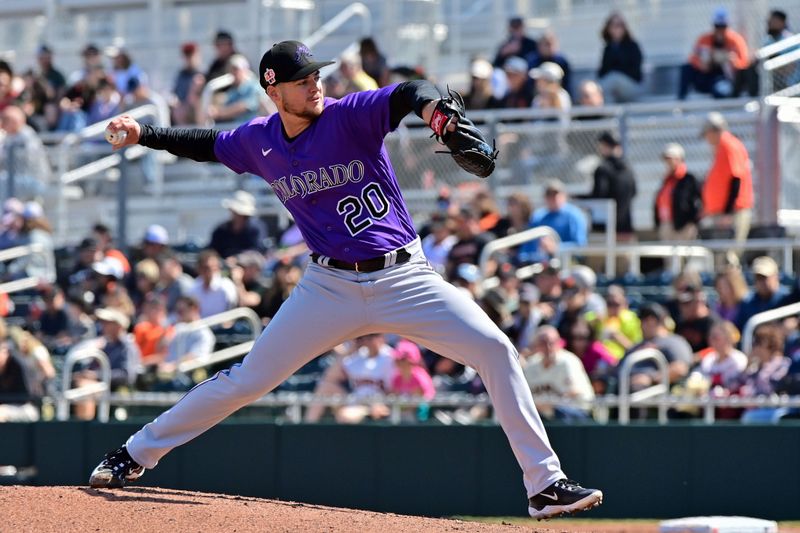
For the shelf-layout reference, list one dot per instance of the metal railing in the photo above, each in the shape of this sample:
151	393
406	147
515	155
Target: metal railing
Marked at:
68	176
69	395
634	252
27	282
515	240
763	318
227	353
626	399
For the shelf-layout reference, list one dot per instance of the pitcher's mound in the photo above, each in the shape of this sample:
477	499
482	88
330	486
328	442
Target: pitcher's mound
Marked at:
152	510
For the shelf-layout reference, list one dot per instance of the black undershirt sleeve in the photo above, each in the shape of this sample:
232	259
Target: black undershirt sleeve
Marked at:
410	96
197	144
733	194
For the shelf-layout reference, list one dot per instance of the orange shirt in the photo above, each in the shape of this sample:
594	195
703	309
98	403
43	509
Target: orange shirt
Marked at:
733	43
731	160
148	336
664	197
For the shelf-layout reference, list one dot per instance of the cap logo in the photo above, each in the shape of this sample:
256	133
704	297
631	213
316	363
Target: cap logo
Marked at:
302	51
269	76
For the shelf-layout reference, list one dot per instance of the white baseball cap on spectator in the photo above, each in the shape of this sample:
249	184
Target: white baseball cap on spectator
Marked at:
109	314
32	210
515	64
548	71
156	234
673	151
583	276
243	203
468	272
765	266
109	266
239	61
481	69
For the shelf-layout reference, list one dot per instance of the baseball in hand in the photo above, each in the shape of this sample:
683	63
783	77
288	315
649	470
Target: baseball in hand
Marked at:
116	137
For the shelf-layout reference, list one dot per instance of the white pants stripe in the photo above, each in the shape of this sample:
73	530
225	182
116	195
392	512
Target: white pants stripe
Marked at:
330	306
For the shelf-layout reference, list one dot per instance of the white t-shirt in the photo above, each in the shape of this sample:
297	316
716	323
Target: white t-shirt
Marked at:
369	375
565	377
220	296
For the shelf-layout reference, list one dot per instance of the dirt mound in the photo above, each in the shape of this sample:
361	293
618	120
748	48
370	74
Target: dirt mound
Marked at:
153	510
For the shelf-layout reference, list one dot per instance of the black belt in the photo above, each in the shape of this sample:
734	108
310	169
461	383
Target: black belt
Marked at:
368	265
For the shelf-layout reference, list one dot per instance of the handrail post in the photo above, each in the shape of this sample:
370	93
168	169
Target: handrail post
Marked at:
625	369
75	355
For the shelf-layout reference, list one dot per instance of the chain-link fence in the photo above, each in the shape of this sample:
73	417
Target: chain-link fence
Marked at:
537	145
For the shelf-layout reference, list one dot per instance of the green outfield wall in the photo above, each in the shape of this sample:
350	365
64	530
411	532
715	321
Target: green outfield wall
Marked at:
645	471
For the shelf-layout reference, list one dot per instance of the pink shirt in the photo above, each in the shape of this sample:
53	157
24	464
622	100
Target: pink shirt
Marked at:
419	382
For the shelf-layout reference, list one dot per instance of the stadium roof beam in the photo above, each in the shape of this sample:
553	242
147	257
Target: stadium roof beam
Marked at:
88	5
26	8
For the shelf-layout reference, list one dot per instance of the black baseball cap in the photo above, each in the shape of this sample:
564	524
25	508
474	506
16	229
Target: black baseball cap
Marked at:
287	61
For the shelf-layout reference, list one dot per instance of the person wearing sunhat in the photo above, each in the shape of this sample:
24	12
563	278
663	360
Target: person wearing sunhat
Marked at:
242	231
550	94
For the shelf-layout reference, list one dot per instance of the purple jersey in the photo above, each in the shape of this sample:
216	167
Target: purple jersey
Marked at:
335	177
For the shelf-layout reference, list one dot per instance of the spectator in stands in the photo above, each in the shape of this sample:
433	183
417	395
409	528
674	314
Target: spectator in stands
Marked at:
728	189
767	294
366	371
15	396
619	329
116	297
553	371
242	231
481	92
484	205
495	303
123	357
213	292
578	297
107	102
656	335
285	278
679	201
155	242
353	76
153	330
438	243
528	318
188	87
411	378
145	282
56	329
777	30
35	359
124	70
92	60
55	79
590	94
581	339
723	365
549	92
223	43
10	88
241	99
566	219
731	290
620	73
614	179
716	61
36	230
88	253
467	277
517	44
518	214
174	282
547	52
187	342
22	155
105	242
373	62
470	243
251	287
521	88
11	223
696	318
768	367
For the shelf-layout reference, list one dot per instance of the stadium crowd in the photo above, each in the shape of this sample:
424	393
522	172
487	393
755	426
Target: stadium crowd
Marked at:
571	328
